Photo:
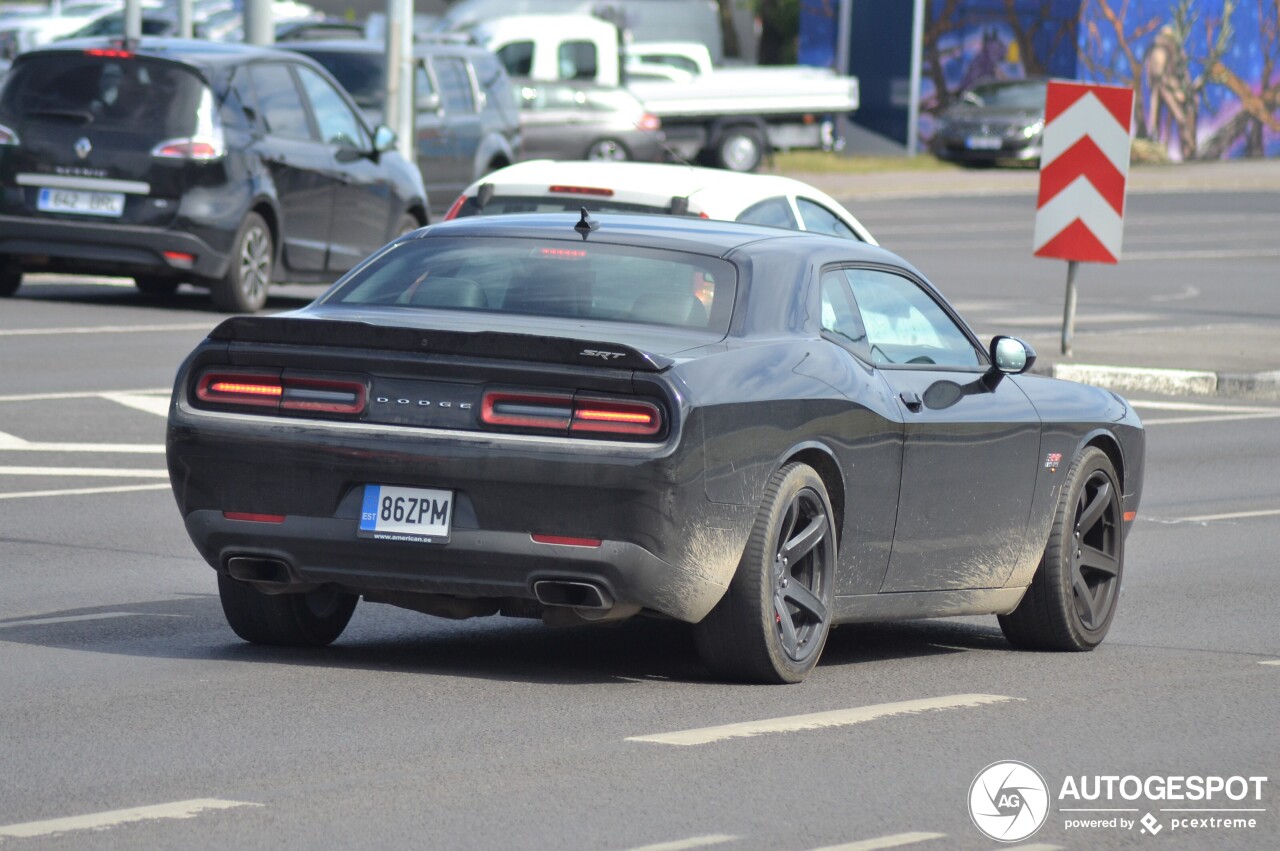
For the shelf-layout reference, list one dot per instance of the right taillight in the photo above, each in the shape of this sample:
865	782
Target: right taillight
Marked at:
456	208
649	122
574	414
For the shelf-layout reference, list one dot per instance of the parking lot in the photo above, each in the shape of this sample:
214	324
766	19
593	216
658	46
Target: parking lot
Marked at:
132	711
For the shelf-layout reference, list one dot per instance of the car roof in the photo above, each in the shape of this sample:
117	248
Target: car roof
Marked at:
676	233
367	45
198	52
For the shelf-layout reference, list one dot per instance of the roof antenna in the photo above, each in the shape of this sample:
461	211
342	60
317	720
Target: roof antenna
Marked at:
586	225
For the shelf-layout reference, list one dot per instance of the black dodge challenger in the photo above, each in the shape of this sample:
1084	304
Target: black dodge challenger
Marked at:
760	432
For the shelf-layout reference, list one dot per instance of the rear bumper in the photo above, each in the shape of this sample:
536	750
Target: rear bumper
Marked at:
475	563
47	245
955	150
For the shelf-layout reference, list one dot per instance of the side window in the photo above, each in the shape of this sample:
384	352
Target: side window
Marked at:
904	325
338	124
840	315
774	212
239	109
455	85
819	219
422	85
279	104
576	60
517	58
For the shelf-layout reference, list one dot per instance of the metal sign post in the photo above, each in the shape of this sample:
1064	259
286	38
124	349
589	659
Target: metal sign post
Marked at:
1084	165
398	90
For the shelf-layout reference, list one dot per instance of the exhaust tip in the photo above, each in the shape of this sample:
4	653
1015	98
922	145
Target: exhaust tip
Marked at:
577	595
253	569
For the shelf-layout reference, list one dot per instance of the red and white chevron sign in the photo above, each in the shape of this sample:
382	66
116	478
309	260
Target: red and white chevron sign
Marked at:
1083	168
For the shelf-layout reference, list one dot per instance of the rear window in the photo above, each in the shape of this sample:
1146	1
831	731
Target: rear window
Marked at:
502	205
568	280
361	74
108	92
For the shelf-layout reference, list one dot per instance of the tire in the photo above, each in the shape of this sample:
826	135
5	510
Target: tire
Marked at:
773	622
156	285
1073	595
244	288
740	149
10	280
407	224
313	619
608	151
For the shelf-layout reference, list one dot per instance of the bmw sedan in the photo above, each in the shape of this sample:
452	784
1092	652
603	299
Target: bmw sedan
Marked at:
586	419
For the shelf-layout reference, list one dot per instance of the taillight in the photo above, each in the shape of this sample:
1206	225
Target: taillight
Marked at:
456	208
109	53
572	414
282	392
649	121
582	190
8	137
197	150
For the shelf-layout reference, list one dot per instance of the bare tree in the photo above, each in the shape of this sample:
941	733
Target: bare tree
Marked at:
728	32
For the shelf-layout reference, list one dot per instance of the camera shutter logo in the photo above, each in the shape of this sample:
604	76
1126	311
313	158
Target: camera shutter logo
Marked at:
1008	801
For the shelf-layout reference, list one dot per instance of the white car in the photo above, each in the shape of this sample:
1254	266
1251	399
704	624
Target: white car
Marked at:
555	186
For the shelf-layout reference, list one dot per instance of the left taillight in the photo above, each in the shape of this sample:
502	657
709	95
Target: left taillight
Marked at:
190	148
282	392
575	414
649	122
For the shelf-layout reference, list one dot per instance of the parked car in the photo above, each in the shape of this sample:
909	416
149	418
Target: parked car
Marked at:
466	122
544	186
572	121
760	432
995	120
227	166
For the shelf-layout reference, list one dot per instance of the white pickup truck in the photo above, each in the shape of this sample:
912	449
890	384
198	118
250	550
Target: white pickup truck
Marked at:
730	117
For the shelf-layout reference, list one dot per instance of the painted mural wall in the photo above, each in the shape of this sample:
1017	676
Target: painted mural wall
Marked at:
1206	72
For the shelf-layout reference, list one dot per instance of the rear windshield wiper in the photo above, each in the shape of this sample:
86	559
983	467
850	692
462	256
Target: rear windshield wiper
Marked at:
81	115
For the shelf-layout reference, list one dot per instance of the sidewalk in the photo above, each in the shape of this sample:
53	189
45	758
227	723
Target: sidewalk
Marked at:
1240	361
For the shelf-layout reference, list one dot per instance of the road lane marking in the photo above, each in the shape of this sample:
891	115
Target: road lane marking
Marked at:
13	443
1223	254
114	818
100	616
1039	846
691	842
100	472
150	404
1235	515
107	329
1210	418
1270	662
1202	406
84	491
896	840
77	394
819	720
1082	319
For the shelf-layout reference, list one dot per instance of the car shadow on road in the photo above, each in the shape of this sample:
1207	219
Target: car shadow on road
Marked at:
382	638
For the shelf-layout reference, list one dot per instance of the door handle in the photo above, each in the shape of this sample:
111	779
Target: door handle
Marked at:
912	400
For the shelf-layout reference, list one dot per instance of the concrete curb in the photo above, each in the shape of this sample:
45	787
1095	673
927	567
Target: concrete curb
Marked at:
1174	382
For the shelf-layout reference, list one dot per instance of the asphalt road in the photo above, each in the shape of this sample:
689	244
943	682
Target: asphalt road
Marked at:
130	715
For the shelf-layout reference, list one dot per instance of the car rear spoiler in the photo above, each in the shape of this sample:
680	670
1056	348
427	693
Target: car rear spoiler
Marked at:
485	344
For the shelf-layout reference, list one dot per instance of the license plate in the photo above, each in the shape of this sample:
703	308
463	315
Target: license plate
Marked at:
83	203
982	143
393	513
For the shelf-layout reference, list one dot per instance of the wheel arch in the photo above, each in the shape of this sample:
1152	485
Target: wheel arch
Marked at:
1108	443
824	463
271	216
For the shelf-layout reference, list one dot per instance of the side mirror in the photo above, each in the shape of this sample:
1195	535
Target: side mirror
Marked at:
427	102
384	139
1011	356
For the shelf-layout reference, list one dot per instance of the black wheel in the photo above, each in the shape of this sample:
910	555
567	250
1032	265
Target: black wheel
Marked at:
313	619
10	280
158	285
740	149
608	151
772	623
1073	596
244	288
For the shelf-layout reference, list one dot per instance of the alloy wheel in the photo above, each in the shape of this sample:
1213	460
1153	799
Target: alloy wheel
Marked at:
1095	557
802	575
255	262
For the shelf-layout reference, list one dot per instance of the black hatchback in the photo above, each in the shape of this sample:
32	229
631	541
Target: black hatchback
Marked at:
222	165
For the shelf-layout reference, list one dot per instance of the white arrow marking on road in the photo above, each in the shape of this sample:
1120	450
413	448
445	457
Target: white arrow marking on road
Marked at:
819	720
13	443
150	404
84	491
100	472
113	818
896	840
691	842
